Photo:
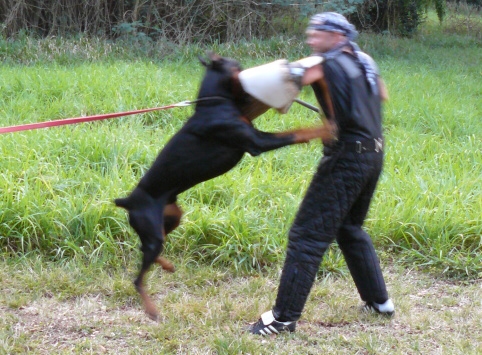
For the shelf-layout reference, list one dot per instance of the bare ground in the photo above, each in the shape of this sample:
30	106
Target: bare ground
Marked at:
206	312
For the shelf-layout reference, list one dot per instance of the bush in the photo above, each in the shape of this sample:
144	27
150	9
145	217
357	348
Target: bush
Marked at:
399	17
179	21
206	21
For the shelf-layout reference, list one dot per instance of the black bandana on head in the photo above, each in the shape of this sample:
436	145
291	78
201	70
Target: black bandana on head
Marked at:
334	22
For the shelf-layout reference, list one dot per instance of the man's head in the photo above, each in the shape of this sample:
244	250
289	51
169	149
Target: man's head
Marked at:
328	29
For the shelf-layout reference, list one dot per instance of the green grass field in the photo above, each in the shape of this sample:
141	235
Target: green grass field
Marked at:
58	183
62	237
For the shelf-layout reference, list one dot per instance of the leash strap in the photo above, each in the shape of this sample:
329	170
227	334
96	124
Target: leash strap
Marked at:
68	121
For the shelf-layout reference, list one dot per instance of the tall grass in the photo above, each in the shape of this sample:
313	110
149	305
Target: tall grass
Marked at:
58	184
432	176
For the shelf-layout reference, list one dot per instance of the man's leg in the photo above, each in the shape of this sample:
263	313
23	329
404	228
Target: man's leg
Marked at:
299	272
313	230
363	263
356	244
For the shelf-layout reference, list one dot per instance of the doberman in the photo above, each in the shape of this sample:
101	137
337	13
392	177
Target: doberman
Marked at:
211	143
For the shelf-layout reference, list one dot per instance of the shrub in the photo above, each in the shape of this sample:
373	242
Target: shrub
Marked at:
204	21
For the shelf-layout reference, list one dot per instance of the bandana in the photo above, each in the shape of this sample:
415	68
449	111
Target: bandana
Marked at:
333	22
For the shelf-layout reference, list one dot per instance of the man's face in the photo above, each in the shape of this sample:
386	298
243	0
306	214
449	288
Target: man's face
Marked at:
321	41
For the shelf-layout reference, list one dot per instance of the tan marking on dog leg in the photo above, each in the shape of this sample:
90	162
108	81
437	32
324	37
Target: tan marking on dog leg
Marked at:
172	217
165	264
325	132
149	306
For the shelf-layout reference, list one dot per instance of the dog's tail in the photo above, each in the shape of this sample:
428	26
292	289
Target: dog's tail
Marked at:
122	202
129	202
136	200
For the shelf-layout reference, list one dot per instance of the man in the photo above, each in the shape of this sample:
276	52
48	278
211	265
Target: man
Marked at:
349	90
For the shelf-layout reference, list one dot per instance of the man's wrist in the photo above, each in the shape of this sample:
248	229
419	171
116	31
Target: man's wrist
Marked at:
296	73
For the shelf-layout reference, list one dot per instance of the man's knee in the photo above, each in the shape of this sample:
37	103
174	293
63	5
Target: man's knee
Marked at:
308	245
352	233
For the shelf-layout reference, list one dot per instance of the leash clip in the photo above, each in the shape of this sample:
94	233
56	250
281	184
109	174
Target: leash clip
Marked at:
183	103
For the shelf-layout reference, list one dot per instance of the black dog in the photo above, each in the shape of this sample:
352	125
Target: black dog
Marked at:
211	143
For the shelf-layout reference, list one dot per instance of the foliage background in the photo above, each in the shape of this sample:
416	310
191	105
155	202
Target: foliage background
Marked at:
203	20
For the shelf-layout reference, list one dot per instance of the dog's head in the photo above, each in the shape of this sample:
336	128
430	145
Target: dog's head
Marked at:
223	73
221	77
227	66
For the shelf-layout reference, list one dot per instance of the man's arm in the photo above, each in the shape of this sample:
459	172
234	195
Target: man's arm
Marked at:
306	71
312	75
383	89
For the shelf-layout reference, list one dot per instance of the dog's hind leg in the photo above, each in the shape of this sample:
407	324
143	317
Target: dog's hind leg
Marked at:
147	220
150	256
165	264
149	306
152	221
172	218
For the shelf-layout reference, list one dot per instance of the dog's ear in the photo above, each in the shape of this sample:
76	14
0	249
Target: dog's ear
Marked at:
213	56
204	61
217	62
211	60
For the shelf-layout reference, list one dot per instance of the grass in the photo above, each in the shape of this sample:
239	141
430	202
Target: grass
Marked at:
433	156
59	183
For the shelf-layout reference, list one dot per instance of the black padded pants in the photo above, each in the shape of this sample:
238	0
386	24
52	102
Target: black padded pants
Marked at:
335	207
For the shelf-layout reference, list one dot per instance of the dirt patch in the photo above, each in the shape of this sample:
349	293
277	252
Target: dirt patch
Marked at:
433	317
87	323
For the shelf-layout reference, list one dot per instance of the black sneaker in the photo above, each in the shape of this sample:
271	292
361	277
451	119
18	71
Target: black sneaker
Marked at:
267	325
386	309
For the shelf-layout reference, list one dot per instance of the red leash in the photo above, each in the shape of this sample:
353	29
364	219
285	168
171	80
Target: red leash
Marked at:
67	121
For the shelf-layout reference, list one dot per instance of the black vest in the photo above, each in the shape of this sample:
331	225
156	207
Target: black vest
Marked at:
345	94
